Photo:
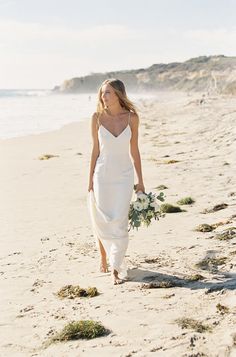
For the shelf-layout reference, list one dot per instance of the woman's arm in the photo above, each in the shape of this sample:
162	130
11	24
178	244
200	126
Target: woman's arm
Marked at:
95	150
134	150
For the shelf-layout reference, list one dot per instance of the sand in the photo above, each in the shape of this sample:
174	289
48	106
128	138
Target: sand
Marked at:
47	242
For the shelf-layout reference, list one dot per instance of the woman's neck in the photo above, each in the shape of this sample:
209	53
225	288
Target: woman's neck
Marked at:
114	110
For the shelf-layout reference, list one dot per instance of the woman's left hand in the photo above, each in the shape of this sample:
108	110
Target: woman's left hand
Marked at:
139	187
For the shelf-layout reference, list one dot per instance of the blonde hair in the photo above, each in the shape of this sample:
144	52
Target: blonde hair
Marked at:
120	91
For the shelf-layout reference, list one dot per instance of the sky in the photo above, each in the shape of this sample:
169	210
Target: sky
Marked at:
44	42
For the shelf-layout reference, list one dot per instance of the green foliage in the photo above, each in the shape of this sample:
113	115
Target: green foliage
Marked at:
144	209
160	197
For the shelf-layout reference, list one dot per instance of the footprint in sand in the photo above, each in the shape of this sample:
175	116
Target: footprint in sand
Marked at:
38	284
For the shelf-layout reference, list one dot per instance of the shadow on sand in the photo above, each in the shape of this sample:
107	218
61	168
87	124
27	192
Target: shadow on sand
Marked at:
227	280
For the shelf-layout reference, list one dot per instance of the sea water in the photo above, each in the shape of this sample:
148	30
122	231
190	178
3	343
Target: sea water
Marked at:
33	111
24	112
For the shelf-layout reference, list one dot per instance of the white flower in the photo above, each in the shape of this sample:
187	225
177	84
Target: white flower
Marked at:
145	204
138	206
142	196
155	205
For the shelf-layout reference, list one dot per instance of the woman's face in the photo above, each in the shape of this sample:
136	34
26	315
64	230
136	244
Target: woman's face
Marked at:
109	96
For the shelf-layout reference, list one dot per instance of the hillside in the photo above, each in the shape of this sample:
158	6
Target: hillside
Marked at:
205	73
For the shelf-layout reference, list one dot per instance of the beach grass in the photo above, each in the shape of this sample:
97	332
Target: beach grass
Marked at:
83	329
186	201
169	208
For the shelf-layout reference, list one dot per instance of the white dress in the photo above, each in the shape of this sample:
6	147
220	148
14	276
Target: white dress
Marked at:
108	202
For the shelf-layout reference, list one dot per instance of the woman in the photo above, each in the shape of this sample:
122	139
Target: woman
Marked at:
114	129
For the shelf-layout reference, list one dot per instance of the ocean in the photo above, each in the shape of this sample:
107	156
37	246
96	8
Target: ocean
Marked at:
33	111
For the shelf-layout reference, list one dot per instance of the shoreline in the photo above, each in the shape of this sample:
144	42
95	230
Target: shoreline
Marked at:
137	97
2	140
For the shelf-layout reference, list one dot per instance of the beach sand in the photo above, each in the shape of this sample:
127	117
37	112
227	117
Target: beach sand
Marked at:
47	241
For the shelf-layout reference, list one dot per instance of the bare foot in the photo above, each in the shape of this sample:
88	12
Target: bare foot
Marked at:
116	279
103	266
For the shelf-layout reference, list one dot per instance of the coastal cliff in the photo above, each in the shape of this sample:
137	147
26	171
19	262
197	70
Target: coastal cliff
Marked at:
205	73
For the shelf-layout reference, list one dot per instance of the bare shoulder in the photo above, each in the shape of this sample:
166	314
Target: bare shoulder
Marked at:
94	116
94	119
134	119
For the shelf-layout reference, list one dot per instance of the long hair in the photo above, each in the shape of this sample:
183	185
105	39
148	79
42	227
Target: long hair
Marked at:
120	91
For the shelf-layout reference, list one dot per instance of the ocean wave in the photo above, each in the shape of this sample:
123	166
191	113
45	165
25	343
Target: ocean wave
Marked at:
24	92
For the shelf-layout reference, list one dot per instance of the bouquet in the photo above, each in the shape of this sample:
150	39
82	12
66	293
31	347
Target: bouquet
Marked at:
144	209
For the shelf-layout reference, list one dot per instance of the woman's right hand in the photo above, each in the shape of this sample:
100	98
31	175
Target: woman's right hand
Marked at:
139	187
